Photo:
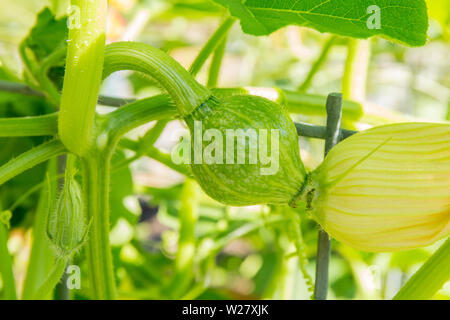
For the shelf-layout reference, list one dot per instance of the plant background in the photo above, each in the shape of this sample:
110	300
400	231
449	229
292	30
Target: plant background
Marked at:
402	83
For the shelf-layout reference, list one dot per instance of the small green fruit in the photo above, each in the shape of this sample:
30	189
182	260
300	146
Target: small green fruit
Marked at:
245	151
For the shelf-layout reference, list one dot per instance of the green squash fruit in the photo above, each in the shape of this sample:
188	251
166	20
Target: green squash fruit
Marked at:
253	181
245	151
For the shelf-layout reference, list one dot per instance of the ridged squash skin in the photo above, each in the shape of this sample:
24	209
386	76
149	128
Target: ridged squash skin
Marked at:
242	184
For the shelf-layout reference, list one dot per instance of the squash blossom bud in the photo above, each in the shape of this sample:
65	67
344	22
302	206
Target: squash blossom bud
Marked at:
385	189
66	225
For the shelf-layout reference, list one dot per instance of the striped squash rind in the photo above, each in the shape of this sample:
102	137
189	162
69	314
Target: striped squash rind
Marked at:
243	184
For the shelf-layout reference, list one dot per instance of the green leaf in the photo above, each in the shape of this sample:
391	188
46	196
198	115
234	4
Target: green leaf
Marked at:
405	21
47	34
190	7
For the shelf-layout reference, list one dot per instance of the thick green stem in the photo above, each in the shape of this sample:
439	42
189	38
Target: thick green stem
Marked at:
433	274
334	112
82	78
211	45
96	178
187	93
156	154
318	64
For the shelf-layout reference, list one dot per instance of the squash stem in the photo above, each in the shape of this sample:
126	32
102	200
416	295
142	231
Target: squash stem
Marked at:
186	92
96	178
82	78
216	63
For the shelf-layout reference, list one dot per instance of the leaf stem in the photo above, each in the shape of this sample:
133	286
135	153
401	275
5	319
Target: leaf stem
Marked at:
334	114
211	45
137	113
433	274
156	154
152	135
318	63
354	80
31	158
216	63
